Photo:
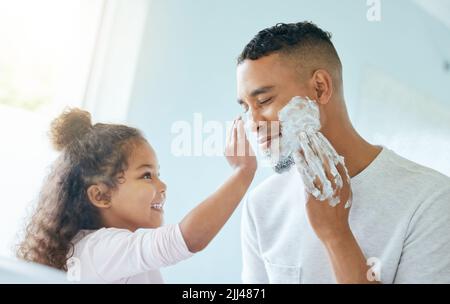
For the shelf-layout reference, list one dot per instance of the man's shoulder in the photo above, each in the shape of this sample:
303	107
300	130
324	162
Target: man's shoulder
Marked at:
418	175
414	187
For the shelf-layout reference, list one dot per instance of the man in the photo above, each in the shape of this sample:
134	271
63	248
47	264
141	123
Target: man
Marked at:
398	228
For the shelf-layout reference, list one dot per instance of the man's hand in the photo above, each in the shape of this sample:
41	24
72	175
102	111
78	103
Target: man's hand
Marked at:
331	226
329	222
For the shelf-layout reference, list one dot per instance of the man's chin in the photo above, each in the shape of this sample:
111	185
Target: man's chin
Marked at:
283	164
277	161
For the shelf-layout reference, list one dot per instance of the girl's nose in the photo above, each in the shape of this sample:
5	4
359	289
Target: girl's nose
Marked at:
162	187
163	191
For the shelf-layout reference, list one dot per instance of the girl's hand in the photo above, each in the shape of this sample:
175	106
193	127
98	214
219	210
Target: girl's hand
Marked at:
238	151
204	221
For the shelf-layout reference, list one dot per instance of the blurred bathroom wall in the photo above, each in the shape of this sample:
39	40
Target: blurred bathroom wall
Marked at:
396	79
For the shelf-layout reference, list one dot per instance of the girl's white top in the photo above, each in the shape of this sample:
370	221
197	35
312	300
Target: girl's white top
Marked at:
111	255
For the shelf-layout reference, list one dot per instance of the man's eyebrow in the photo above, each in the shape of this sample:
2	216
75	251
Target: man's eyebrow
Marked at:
261	90
257	92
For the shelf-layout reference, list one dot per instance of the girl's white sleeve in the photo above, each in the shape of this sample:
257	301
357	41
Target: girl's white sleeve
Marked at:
114	254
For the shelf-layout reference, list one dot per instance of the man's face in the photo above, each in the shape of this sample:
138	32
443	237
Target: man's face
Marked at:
264	87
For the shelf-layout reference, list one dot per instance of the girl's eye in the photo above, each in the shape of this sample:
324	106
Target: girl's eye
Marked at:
147	175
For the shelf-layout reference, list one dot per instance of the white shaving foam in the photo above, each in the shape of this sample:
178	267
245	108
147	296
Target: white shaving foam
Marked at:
302	139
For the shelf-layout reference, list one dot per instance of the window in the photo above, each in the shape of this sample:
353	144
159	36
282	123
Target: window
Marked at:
46	48
55	54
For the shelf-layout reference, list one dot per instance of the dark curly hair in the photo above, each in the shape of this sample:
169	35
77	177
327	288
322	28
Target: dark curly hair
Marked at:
302	39
90	154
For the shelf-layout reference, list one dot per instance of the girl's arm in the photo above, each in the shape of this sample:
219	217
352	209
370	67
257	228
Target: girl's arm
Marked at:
202	224
111	255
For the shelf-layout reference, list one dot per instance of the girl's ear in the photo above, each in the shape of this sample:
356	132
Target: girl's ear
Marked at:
98	196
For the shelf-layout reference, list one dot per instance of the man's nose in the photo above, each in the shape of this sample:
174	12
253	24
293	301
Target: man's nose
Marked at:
256	118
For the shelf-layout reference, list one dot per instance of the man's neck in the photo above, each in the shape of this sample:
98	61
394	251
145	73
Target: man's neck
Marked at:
357	152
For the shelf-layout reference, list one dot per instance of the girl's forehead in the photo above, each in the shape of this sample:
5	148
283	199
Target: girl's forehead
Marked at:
143	153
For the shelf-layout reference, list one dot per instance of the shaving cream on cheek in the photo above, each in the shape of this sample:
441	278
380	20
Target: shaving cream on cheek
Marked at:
310	150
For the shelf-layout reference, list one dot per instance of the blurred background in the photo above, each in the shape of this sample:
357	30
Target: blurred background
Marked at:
150	63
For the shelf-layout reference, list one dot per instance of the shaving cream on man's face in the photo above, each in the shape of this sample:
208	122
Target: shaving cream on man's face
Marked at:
302	139
301	144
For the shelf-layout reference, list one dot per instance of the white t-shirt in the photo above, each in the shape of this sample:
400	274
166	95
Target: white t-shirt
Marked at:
111	255
400	217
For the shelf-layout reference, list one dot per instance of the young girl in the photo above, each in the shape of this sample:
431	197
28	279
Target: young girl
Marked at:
103	204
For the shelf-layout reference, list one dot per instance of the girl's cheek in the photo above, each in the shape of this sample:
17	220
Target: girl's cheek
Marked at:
150	192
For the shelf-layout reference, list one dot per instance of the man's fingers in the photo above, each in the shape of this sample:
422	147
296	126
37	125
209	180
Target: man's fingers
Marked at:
316	164
346	192
343	172
306	173
326	155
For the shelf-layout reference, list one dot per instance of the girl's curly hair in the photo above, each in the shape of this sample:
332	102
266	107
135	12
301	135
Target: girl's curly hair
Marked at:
90	154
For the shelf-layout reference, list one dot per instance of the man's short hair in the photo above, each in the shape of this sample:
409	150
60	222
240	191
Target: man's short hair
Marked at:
302	41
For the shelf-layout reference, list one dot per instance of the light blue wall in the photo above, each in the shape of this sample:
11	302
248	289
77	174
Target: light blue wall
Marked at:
187	65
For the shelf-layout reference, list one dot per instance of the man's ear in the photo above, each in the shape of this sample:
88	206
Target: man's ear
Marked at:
98	195
323	86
